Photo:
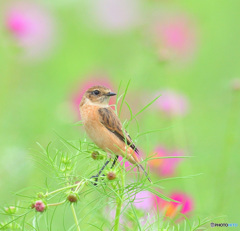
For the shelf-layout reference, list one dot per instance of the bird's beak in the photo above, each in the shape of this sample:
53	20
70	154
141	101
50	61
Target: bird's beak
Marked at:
110	94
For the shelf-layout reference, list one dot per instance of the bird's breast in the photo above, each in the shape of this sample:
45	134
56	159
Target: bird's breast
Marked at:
93	127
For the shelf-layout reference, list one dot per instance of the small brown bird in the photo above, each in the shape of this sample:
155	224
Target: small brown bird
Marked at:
104	127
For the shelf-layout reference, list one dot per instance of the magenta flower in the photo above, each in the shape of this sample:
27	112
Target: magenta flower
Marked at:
175	37
115	15
165	167
171	209
91	80
32	27
172	103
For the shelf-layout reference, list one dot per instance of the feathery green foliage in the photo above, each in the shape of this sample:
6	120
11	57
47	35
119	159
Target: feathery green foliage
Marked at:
108	205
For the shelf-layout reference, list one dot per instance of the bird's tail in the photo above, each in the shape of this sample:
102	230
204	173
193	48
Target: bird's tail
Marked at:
145	172
136	161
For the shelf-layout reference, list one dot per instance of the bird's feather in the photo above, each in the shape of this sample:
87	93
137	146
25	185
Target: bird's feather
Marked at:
110	120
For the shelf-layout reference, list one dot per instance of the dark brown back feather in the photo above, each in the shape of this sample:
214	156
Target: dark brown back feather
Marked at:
110	120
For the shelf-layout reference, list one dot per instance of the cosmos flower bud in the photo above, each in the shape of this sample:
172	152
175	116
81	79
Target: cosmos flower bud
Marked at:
65	160
10	210
95	155
111	175
72	198
10	226
40	195
39	206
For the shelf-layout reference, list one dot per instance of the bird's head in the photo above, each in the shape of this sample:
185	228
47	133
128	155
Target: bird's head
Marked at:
98	95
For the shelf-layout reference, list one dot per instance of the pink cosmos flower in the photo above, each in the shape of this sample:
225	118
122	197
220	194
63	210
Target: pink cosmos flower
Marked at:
115	15
165	167
175	37
171	209
90	81
32	27
172	103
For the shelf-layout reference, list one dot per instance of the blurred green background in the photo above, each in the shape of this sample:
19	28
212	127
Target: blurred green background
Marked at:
87	40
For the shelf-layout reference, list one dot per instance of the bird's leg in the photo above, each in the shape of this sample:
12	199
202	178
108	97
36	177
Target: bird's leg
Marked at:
114	162
96	177
106	163
103	167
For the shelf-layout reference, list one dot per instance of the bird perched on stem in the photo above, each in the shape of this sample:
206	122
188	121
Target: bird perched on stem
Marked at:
104	127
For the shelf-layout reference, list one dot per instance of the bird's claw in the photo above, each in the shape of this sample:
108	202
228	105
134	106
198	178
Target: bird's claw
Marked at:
95	179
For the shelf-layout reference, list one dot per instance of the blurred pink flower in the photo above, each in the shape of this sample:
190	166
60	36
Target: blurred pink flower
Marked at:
175	37
127	164
130	168
91	80
110	211
143	200
32	27
172	103
171	209
165	167
115	15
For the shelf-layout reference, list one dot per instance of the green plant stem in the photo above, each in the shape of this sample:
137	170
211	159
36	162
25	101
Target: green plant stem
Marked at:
79	186
61	189
119	201
75	217
56	204
124	95
118	212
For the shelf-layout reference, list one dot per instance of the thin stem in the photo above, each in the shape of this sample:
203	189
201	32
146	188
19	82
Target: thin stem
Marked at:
61	189
119	201
78	186
124	95
75	217
56	204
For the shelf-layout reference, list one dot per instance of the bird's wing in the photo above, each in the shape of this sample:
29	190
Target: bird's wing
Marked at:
110	120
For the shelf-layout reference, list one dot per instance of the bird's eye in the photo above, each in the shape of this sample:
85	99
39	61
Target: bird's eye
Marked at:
96	92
